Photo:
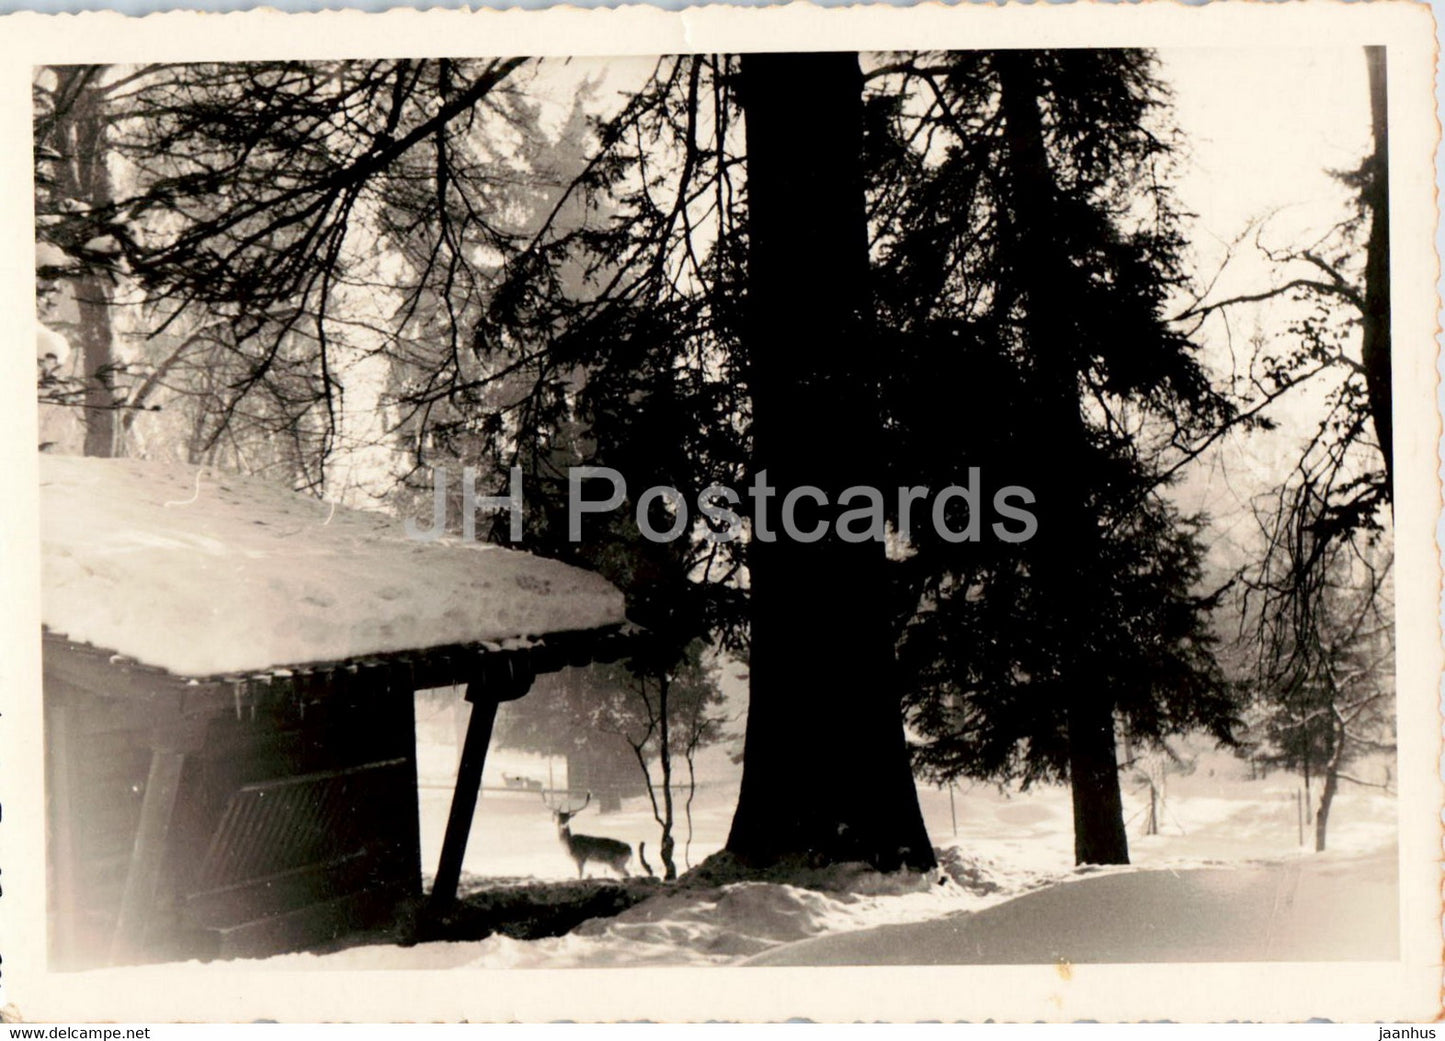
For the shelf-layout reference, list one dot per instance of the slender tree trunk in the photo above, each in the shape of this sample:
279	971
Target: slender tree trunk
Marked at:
1375	334
691	758
97	346
1067	529
1330	785
1322	817
826	775
88	182
664	755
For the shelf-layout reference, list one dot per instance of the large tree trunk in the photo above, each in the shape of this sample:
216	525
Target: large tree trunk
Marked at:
1375	334
1063	547
826	777
87	180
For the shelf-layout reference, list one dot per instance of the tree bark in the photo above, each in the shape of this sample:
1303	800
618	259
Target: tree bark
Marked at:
1375	334
1322	817
1331	782
1067	528
826	775
1099	836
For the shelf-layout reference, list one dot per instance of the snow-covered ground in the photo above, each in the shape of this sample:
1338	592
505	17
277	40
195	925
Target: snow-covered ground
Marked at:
1220	832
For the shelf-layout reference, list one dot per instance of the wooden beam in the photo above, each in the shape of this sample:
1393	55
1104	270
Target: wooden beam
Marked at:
411	824
170	746
64	862
147	856
464	803
107	675
502	677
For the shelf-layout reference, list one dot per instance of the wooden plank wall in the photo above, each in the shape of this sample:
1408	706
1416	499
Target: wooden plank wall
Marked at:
359	746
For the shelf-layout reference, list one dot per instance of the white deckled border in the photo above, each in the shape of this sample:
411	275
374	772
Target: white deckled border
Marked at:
1406	990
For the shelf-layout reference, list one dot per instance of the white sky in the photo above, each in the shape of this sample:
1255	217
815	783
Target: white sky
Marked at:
1264	127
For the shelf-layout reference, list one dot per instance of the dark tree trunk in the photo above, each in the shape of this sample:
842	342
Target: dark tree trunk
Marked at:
1094	783
1334	758
1099	836
1067	528
1375	335
1322	817
826	777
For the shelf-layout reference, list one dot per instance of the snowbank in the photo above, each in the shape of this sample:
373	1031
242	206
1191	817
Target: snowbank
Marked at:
691	925
206	574
1324	908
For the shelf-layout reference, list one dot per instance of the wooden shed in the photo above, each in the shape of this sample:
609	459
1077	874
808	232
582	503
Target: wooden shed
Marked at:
229	673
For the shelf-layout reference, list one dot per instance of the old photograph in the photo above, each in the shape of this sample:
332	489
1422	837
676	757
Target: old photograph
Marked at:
730	509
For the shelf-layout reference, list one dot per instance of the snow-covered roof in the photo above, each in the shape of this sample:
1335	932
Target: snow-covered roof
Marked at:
207	574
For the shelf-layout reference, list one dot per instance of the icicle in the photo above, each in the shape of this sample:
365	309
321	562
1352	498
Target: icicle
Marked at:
266	679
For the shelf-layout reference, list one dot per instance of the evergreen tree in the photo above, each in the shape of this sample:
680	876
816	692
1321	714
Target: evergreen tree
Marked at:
709	360
1036	250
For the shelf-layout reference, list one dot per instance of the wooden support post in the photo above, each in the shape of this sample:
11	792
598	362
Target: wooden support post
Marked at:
147	855
411	825
65	901
464	801
169	747
500	678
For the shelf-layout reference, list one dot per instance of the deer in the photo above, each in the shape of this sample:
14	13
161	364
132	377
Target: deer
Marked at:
582	848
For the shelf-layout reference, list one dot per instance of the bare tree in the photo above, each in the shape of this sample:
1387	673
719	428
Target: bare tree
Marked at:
1326	681
1333	294
667	712
73	152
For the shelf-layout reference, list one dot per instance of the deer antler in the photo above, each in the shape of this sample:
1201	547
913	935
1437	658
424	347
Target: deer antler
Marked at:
570	810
